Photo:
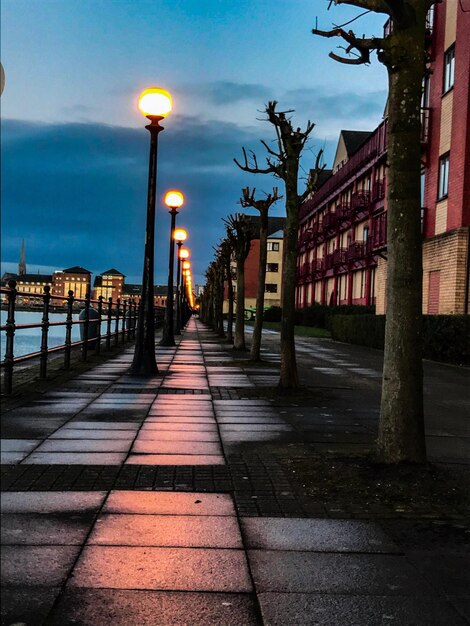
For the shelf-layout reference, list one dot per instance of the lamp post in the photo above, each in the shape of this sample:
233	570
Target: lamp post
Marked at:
155	104
173	200
180	236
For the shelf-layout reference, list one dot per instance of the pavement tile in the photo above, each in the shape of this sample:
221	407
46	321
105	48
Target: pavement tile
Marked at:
176	447
176	569
175	459
51	501
37	566
448	573
77	433
18	445
179	426
75	458
187	531
63	529
12	458
83	444
177	435
313	572
165	503
102	425
27	605
117	607
281	609
318	535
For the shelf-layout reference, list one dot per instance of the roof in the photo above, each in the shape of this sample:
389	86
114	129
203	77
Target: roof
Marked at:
30	278
76	269
323	176
279	234
275	224
353	139
112	272
135	290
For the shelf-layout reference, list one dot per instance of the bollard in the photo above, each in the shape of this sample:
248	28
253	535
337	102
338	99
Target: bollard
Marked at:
10	337
45	332
68	331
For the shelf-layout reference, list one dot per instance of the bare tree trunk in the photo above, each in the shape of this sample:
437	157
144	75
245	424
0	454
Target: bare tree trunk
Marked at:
220	300
263	258
239	339
289	377
401	431
230	303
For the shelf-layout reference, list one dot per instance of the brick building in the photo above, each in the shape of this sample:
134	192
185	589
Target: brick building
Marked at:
109	284
342	256
76	279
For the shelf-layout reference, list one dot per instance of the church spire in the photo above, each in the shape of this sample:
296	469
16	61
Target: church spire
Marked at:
22	263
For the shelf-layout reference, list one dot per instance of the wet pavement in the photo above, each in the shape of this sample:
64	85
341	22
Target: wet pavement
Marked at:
160	501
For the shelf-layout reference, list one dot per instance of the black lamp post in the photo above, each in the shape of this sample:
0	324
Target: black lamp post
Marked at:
174	200
180	236
155	104
183	254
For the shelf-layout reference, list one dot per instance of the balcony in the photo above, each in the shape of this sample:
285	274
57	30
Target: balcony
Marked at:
378	190
425	117
379	232
357	250
343	213
329	261
340	256
329	219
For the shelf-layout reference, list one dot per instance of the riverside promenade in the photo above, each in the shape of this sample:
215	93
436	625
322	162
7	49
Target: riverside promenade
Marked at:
203	496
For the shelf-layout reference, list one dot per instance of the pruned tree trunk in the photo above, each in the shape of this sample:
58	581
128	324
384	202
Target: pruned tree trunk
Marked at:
239	338
220	299
263	259
228	270
401	430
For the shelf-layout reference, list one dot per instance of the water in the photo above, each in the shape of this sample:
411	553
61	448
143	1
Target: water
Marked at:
29	340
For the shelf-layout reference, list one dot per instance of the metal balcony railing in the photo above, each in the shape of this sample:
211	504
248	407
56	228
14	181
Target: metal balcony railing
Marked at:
356	250
122	314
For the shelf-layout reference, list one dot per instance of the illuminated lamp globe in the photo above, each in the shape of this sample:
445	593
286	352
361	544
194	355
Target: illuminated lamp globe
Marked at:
174	199
184	253
155	102
186	265
180	235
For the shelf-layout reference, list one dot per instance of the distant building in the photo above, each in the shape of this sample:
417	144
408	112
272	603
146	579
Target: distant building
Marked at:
133	290
76	279
109	284
28	284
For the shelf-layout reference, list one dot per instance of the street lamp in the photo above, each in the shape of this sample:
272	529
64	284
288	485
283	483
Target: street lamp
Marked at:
173	200
155	104
180	236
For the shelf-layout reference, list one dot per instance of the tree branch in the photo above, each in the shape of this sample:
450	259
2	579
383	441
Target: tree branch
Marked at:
362	45
254	169
377	6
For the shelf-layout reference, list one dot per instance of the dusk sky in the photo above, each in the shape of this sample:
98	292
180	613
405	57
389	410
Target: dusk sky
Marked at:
74	147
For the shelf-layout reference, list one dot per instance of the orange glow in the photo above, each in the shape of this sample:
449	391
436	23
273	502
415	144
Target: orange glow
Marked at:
174	199
155	102
184	253
180	234
186	265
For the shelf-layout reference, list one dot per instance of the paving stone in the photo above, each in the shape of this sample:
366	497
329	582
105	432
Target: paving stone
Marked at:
177	435
319	535
110	607
43	566
188	531
448	573
41	529
7	458
27	605
280	609
312	572
176	569
176	447
75	458
163	503
79	424
18	445
104	434
174	459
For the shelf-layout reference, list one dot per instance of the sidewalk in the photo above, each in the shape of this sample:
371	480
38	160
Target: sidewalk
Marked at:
172	501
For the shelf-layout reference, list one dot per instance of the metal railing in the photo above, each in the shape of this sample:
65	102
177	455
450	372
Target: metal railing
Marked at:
119	317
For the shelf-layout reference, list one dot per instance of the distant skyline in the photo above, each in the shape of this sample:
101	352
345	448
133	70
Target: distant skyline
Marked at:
74	150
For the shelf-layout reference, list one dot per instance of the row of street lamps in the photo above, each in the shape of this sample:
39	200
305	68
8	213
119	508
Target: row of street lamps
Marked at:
156	103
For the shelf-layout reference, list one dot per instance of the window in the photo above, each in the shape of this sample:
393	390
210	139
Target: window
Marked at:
272	267
449	69
365	234
270	288
273	246
443	188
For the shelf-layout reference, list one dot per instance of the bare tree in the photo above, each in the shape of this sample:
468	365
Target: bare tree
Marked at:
239	234
284	164
263	206
226	253
402	51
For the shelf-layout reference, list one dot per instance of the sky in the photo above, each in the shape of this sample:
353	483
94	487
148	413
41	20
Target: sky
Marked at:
73	145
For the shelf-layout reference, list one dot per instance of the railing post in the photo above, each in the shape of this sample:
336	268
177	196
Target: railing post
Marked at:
86	327
68	331
98	334
123	330
45	332
10	337
108	327
136	318
116	329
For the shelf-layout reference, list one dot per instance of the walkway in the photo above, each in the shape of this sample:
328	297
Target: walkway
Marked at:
167	501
